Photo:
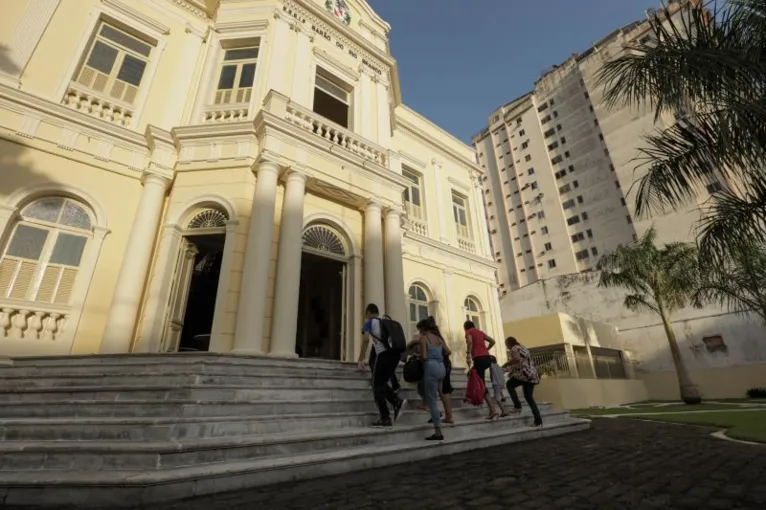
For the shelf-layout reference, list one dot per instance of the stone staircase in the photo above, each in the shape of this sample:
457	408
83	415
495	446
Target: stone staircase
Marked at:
125	431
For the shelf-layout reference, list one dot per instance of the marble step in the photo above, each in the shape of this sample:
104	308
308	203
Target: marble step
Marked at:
174	428
139	456
128	489
183	408
158	379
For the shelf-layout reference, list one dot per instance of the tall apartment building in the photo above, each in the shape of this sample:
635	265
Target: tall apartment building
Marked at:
559	167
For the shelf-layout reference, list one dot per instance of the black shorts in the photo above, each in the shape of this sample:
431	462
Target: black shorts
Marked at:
482	364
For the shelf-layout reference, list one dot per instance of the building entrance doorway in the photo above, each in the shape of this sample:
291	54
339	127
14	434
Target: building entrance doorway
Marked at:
191	310
320	311
321	331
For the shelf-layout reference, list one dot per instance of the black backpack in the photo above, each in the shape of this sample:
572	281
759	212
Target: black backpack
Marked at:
393	334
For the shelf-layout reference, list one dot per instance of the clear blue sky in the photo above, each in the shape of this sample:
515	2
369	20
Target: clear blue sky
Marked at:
461	59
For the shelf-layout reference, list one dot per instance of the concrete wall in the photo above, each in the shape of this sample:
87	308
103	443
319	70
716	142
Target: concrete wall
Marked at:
721	382
642	334
585	393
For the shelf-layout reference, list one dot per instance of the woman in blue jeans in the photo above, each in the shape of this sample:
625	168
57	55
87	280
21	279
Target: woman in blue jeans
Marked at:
432	351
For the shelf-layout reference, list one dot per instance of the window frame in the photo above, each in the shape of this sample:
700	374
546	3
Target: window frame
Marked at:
235	45
418	211
418	305
331	75
474	316
463	231
143	27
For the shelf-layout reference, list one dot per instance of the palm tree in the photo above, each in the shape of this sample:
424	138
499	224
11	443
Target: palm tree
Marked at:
706	66
739	284
658	280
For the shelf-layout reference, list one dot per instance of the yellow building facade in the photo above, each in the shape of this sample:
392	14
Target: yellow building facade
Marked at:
226	175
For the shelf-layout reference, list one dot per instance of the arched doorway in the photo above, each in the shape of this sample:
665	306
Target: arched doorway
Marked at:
323	294
195	283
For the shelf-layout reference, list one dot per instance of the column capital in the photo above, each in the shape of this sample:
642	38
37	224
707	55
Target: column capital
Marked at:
371	205
437	162
393	212
154	178
295	176
266	166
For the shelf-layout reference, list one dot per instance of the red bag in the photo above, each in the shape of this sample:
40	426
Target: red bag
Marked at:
474	392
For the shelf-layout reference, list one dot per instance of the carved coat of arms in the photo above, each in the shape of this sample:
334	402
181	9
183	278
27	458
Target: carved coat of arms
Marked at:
339	9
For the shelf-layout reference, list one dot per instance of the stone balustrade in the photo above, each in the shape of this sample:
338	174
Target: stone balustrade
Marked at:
30	321
226	113
282	107
466	245
84	100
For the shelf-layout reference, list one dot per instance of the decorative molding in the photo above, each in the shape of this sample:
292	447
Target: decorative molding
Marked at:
336	64
137	16
192	7
28	126
407	129
232	27
412	160
191	29
427	241
459	184
68	139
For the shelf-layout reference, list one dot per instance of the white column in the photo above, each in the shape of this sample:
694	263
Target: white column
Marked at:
25	38
356	310
120	323
302	88
443	216
374	287
396	306
284	326
448	327
248	338
384	115
280	66
483	246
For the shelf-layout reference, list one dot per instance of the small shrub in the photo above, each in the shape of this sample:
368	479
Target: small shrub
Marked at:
756	393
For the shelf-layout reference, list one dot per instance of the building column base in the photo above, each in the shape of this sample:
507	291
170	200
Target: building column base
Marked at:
247	352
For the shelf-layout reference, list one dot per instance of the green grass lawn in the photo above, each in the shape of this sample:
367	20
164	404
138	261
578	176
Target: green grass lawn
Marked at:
744	425
655	409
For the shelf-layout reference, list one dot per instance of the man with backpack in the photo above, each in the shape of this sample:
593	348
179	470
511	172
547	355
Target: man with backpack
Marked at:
389	343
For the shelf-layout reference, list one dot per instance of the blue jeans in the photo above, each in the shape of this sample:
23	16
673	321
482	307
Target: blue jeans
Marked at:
433	375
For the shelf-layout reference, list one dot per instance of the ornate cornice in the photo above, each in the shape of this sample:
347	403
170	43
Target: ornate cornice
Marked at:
412	131
195	7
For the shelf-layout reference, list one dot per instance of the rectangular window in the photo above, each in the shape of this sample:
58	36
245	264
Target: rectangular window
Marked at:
115	64
594	251
332	98
568	204
578	237
579	199
545	119
237	76
571	168
460	212
549	133
552	146
412	195
548	246
541	215
575	184
531	171
527	158
544	230
560	174
558	159
590	233
552	264
564	189
522	132
582	255
525	144
534	185
574	220
542	107
584	216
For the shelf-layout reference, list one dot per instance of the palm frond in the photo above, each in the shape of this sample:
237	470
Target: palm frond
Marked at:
698	55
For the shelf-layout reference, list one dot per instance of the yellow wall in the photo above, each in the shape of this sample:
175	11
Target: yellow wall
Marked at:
585	393
536	331
725	382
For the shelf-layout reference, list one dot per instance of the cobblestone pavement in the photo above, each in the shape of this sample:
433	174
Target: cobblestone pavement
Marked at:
618	464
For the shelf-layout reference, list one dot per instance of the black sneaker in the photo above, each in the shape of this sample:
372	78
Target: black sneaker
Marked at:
382	424
441	415
399	408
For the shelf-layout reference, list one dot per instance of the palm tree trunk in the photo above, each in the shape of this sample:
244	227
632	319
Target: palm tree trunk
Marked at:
689	392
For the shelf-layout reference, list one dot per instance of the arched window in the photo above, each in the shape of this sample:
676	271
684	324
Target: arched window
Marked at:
418	299
472	311
324	240
43	255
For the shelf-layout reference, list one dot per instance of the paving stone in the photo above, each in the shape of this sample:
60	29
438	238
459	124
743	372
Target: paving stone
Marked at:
618	464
